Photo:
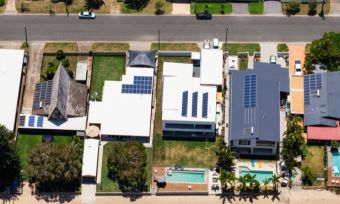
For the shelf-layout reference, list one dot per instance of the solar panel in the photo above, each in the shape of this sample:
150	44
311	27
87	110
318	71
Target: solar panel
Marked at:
40	121
22	120
312	82
249	91
141	85
31	120
205	105
194	104
42	93
185	103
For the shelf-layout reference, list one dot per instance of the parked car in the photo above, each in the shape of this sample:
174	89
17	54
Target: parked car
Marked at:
232	63
203	16
298	67
216	43
87	15
273	59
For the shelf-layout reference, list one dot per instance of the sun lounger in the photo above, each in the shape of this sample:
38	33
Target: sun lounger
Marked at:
337	182
333	181
260	164
252	163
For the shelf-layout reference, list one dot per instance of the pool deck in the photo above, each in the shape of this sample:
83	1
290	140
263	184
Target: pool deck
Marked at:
260	165
177	187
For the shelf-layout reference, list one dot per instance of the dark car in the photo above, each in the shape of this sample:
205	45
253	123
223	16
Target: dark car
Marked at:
203	16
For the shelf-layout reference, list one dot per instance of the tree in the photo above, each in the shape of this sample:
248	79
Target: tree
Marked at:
126	164
226	156
159	7
55	166
60	55
266	183
324	52
334	145
94	4
243	182
9	160
312	7
293	7
307	176
227	178
275	180
136	4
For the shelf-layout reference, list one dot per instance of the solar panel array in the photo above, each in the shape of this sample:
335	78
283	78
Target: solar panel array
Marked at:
312	82
194	104
185	103
31	120
40	122
205	105
249	99
141	85
22	120
43	93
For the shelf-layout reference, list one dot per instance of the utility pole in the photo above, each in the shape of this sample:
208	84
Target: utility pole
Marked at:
322	14
226	36
159	40
26	36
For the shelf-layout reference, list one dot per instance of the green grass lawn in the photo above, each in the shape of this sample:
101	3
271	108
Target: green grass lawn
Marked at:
64	46
243	63
234	48
304	8
314	159
176	46
255	7
106	68
110	47
73	60
282	47
213	8
25	143
108	185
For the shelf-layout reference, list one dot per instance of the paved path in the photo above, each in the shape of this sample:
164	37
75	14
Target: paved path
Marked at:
10	7
335	7
272	7
36	50
173	28
240	8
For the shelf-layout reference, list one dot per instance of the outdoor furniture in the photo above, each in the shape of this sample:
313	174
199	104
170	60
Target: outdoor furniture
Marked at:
333	181
337	182
189	188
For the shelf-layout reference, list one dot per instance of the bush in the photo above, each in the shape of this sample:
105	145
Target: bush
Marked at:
65	62
2	2
293	7
52	68
159	7
60	55
307	176
312	7
24	7
283	47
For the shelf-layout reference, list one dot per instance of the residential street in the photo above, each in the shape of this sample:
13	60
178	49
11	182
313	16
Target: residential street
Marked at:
172	28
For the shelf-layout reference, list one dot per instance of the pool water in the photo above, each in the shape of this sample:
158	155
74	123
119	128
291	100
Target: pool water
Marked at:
336	159
186	177
260	175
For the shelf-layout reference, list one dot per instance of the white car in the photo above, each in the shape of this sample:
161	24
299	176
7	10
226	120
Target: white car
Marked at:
87	15
216	43
232	63
273	59
298	70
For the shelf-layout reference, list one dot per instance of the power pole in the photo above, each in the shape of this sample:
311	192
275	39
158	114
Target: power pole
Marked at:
26	36
159	40
226	36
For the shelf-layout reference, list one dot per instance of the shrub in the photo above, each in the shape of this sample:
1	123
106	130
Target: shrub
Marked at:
2	2
60	55
307	176
293	7
283	47
52	68
312	7
159	7
65	62
24	7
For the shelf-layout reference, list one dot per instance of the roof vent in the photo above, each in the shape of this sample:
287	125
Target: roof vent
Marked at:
252	130
318	93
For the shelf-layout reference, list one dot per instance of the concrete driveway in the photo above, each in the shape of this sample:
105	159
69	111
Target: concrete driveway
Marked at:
240	8
272	7
267	49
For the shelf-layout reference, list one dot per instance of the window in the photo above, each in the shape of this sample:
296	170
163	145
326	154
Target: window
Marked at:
244	142
179	126
207	127
265	143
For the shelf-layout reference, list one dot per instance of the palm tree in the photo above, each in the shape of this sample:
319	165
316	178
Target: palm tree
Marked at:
227	178
243	182
275	180
231	180
266	183
226	156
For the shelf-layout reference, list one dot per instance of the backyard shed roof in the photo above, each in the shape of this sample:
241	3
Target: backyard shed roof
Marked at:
81	72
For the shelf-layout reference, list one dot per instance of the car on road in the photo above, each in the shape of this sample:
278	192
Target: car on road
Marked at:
87	15
298	67
203	16
273	59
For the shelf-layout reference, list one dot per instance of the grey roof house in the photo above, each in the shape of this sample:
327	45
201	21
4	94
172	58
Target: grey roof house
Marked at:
61	97
254	117
142	59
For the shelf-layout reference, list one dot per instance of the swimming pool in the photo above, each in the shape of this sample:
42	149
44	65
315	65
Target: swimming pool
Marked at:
186	176
336	159
260	175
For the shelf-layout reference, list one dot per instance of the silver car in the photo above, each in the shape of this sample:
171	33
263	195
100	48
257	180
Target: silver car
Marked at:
87	15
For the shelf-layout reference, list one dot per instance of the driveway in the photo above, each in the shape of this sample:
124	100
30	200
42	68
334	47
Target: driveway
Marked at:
267	49
272	7
335	7
240	8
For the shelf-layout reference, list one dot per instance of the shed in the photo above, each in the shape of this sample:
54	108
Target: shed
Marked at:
81	72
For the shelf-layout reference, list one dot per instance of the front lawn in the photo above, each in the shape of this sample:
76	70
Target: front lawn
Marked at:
304	8
176	47
243	63
213	8
25	142
255	7
105	68
149	9
314	159
282	47
64	46
73	60
234	48
108	185
110	47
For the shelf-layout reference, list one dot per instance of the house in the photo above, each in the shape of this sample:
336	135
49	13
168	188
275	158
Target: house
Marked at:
58	104
321	101
189	108
11	64
254	109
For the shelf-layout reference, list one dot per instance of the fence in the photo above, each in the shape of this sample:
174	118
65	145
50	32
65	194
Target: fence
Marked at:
174	53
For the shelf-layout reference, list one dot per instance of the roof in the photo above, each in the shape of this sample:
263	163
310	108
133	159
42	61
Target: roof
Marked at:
81	72
211	66
255	102
178	79
11	62
296	95
142	59
323	133
124	114
322	99
90	157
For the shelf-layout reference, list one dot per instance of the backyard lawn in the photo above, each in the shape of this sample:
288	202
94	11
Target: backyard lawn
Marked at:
108	185
25	142
176	46
304	8
105	68
110	47
255	7
314	159
213	8
234	48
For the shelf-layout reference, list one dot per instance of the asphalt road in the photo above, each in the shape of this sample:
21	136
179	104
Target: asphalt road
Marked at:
172	28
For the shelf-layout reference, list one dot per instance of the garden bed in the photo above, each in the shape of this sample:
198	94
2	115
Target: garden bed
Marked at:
176	47
149	9
282	47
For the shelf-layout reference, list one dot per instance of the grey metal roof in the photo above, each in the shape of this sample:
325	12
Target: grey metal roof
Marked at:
142	59
323	109
264	117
